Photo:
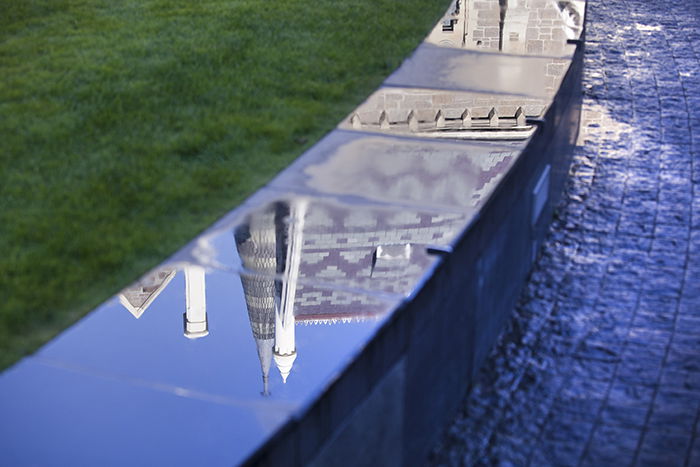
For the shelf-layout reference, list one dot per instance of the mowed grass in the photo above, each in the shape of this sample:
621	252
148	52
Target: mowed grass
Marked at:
127	127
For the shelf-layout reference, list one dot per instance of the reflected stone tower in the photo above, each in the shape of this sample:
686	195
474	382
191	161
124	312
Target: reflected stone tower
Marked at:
270	245
138	297
258	245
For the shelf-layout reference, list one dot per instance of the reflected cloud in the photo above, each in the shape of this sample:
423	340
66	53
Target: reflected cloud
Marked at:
450	176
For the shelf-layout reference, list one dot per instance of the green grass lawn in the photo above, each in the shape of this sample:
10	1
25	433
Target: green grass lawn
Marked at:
127	127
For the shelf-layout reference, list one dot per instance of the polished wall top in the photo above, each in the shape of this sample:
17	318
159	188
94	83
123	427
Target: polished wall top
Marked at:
208	355
445	68
406	171
187	366
357	246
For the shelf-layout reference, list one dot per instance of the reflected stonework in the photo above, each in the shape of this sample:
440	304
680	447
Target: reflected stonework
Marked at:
428	113
291	240
140	295
539	27
362	247
341	241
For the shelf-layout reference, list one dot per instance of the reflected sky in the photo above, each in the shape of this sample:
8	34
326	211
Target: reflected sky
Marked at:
401	171
150	339
224	362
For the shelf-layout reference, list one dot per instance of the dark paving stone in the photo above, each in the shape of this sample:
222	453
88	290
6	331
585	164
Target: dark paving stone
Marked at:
664	448
607	331
617	413
612	445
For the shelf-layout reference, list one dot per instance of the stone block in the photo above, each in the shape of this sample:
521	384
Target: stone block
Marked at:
374	427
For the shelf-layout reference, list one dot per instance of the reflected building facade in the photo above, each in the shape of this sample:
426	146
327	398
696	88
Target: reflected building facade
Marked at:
429	113
511	26
286	245
519	27
138	297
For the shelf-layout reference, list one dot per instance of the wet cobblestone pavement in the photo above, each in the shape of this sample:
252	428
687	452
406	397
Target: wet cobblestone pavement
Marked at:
599	365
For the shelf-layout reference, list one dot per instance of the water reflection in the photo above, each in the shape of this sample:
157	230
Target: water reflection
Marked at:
433	174
271	246
282	243
138	297
429	113
287	250
274	304
538	27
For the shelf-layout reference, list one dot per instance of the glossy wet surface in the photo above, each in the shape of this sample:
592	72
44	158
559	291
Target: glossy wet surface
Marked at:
210	354
428	113
208	342
442	175
600	363
436	67
350	246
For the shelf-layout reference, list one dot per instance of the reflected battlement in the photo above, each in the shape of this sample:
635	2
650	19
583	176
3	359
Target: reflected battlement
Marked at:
427	113
537	27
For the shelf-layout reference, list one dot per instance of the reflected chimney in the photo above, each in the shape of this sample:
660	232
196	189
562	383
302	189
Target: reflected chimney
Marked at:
195	317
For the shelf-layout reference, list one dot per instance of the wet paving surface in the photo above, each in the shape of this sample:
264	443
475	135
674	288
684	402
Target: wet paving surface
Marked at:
599	365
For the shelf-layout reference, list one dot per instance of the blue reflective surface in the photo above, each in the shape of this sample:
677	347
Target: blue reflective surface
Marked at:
208	355
68	417
113	366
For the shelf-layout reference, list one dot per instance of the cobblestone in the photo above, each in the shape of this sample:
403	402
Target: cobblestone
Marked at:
599	365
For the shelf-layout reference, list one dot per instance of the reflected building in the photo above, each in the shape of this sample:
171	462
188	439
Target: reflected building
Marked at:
287	248
138	297
288	245
520	27
260	244
429	113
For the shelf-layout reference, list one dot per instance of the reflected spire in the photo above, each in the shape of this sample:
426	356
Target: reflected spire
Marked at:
258	244
285	345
